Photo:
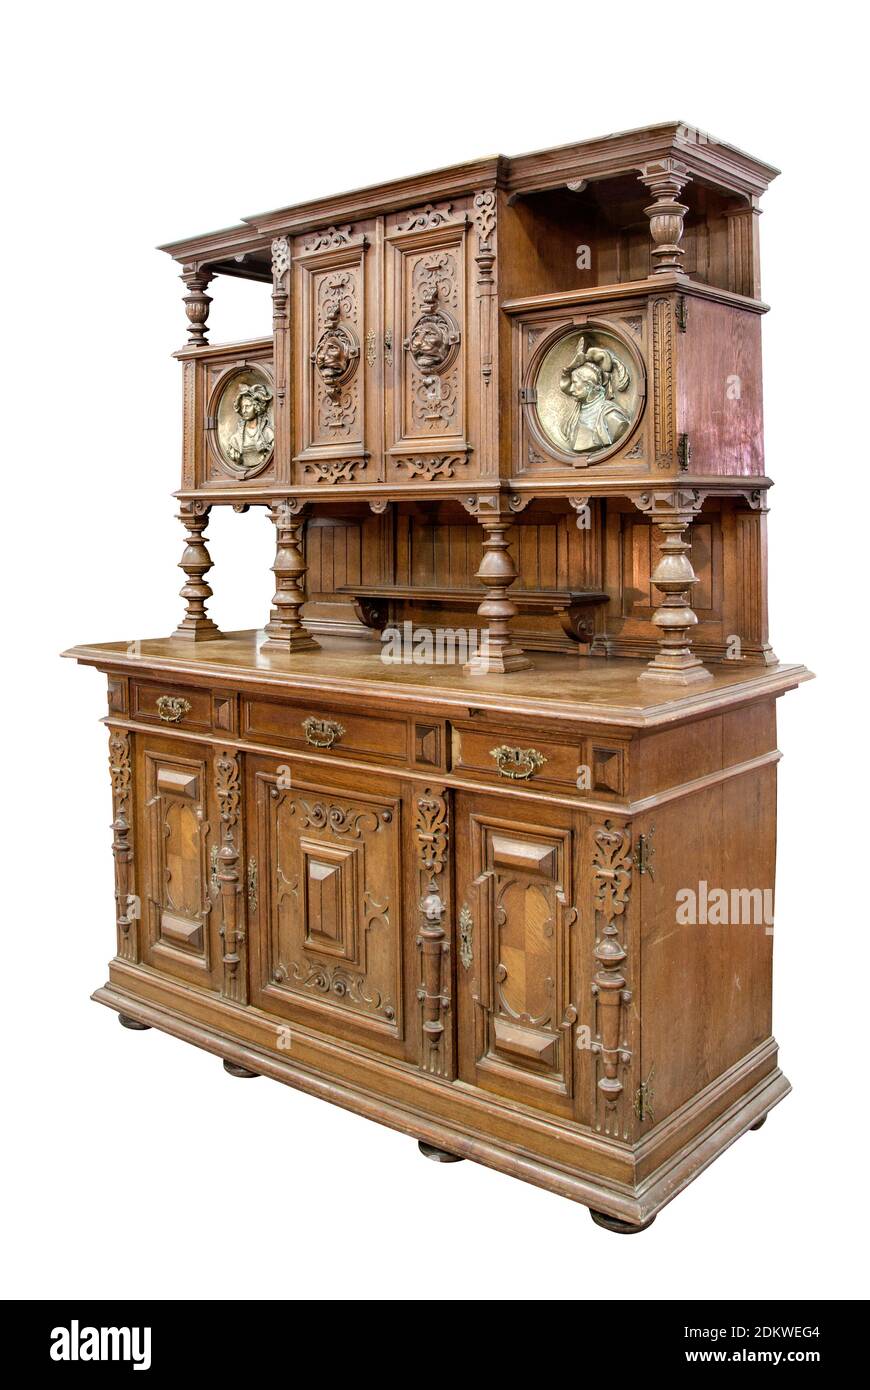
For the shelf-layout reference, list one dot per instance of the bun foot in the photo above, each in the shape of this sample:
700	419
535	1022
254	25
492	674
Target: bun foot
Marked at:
127	1022
620	1228
235	1070
758	1124
437	1155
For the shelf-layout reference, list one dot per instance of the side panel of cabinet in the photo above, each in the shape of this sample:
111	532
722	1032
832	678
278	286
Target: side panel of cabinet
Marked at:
176	833
517	927
337	327
327	930
427	401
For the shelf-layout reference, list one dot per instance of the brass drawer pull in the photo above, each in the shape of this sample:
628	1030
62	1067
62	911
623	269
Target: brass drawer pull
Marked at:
517	763
322	733
172	708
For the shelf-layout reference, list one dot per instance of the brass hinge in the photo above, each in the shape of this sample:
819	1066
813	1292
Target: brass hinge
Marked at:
211	422
214	881
644	1097
682	314
252	883
684	452
644	853
388	348
528	395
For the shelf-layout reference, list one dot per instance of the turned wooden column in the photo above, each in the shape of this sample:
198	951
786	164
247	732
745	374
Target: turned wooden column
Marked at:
497	572
196	625
285	631
197	303
673	512
665	178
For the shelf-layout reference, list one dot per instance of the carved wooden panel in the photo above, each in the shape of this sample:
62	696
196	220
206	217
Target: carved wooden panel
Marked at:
516	883
328	945
179	854
426	409
337	312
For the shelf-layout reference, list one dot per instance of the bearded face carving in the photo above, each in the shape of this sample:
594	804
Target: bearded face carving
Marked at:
434	338
336	351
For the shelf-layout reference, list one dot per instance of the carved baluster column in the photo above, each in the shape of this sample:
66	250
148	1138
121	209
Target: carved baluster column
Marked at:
196	625
232	930
126	905
675	661
285	631
665	178
497	572
431	829
197	303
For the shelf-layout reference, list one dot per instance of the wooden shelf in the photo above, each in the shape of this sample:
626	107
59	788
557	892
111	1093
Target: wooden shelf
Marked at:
551	600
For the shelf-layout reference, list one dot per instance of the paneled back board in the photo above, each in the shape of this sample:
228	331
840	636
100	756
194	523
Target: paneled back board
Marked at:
476	836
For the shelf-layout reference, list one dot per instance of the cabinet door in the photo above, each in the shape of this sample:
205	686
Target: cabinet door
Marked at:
327	928
515	925
177	839
427	427
337	318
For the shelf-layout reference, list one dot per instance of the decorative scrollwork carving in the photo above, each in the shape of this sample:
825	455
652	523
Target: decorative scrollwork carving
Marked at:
431	466
121	773
612	866
227	781
328	239
431	826
430	216
343	983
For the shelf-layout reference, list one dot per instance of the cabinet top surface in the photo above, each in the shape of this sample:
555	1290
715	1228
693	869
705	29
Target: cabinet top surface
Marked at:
592	689
706	160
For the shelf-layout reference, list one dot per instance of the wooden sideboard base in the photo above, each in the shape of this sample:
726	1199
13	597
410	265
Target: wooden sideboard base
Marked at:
635	1207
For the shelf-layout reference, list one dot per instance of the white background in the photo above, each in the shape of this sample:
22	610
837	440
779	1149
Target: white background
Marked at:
134	1165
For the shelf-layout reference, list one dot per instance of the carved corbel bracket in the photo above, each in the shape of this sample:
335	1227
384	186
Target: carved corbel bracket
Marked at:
280	281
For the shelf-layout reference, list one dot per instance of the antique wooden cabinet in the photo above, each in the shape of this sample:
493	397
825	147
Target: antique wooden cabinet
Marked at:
476	836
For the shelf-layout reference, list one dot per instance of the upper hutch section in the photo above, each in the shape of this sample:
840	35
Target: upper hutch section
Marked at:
590	310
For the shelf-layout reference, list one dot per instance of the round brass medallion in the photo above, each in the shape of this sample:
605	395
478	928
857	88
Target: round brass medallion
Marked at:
245	428
589	393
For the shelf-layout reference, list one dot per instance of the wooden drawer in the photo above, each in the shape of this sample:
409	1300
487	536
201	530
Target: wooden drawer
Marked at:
172	706
321	727
518	757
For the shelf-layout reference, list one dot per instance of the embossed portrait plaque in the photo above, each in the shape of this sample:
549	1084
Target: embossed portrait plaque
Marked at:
245	422
589	391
